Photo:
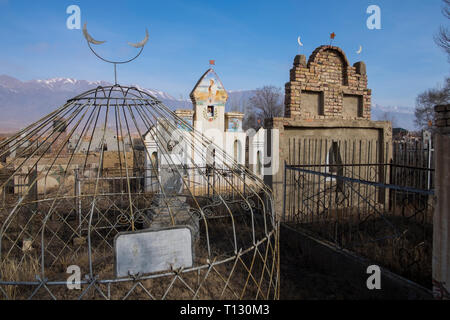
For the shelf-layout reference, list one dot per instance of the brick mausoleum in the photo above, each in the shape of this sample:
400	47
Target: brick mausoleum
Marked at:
327	118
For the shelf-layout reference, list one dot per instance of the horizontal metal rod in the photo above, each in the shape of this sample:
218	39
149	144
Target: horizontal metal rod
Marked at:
370	183
357	165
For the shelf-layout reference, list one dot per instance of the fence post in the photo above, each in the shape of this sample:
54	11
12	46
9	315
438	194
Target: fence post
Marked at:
430	152
244	183
284	192
441	217
33	186
77	191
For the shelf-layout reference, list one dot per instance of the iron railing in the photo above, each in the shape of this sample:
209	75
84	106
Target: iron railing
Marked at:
355	207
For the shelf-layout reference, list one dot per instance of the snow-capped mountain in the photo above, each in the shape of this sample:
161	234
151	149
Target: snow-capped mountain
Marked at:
56	84
160	95
23	102
401	117
67	84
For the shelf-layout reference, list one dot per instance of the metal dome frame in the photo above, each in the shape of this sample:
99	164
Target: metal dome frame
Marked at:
237	235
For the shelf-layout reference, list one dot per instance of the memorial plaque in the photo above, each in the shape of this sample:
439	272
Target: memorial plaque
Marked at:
150	251
171	181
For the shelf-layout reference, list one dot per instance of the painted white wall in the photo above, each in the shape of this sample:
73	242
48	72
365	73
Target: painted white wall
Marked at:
257	144
230	138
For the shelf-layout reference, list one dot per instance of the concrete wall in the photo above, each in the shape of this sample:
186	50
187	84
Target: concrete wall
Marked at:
334	130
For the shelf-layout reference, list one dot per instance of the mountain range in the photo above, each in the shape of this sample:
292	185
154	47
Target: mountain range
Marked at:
23	102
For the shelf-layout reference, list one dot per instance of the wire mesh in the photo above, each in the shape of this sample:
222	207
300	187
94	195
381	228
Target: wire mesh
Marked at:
83	174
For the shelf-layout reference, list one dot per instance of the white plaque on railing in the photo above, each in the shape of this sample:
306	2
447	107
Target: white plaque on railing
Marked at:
155	250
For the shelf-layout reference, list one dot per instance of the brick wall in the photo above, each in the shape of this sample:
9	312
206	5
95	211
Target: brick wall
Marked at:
443	118
329	79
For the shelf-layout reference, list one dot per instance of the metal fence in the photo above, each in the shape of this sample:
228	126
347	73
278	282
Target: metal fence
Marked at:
380	210
413	164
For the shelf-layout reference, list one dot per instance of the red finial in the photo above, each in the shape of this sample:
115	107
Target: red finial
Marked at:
332	36
212	62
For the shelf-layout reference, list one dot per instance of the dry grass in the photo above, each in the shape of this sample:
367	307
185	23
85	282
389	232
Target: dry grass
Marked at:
243	282
11	270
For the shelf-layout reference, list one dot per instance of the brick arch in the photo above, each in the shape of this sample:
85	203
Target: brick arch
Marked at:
339	53
313	57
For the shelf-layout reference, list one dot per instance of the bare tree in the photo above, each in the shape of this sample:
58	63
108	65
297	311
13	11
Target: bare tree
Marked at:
250	121
426	101
442	39
268	102
250	117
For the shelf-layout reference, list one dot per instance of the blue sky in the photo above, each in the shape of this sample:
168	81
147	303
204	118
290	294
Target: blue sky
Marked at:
253	42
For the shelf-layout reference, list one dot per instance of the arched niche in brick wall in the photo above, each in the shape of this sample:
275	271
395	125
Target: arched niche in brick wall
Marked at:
330	56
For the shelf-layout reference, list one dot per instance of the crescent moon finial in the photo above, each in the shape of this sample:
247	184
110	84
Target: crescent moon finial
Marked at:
142	43
299	42
359	50
139	45
89	38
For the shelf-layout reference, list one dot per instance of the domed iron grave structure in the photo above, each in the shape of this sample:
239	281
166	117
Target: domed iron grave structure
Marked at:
78	193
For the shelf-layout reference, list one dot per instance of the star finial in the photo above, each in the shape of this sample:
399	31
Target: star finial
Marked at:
332	36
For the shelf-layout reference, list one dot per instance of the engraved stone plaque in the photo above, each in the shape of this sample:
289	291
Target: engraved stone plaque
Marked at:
150	251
